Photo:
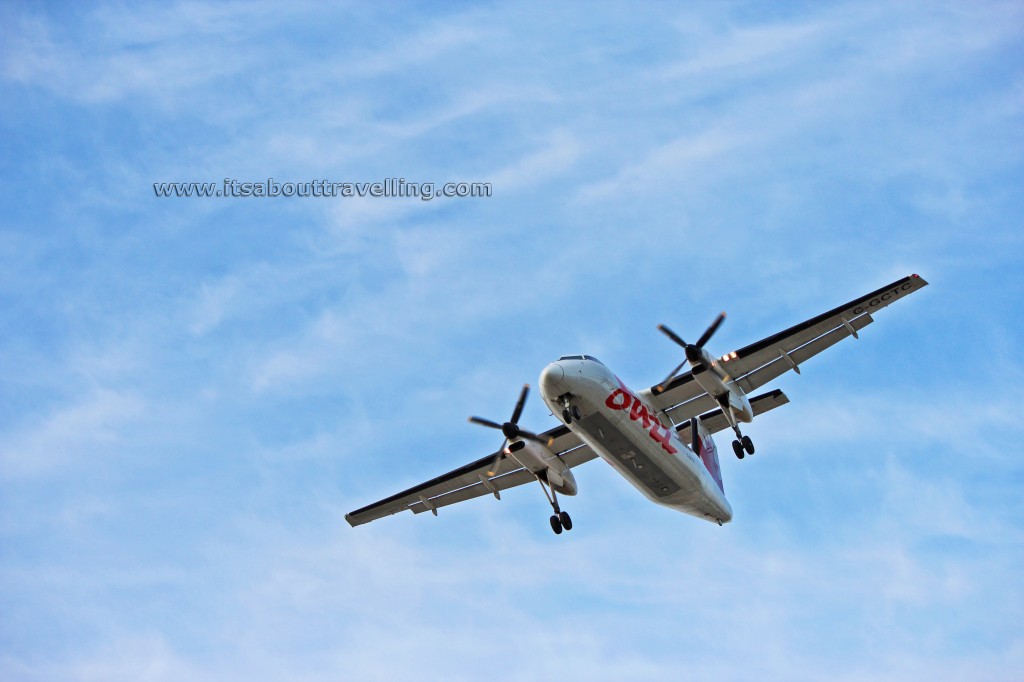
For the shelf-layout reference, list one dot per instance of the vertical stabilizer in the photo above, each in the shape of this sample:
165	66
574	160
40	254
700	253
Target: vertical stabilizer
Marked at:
703	445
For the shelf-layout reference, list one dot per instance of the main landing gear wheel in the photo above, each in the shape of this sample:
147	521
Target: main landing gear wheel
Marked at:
737	447
748	444
575	415
567	416
556	524
563	518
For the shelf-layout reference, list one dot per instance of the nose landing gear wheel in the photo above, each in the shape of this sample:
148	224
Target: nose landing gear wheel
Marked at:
564	520
748	444
575	415
556	524
737	447
567	416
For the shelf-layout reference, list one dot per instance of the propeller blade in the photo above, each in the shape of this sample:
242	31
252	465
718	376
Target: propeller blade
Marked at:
497	459
694	437
511	430
485	422
518	412
671	334
663	384
710	330
535	438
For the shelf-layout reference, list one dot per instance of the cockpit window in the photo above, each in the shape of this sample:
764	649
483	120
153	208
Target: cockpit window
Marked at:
581	357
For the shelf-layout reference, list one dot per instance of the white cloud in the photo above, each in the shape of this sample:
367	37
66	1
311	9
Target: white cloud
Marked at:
70	434
556	157
742	51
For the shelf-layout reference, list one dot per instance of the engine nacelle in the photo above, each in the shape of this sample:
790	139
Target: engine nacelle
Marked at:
544	463
740	406
562	480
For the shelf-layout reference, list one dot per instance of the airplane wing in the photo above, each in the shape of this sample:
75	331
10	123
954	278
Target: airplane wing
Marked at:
471	480
715	421
755	365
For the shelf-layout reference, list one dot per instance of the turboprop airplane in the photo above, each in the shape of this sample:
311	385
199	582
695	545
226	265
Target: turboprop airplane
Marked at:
658	438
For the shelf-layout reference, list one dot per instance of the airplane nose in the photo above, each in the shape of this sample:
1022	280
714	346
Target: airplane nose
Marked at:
552	380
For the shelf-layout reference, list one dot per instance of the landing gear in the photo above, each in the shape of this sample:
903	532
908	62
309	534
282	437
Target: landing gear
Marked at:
742	445
569	411
560	520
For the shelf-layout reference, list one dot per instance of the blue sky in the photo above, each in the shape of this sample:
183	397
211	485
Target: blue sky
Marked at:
194	392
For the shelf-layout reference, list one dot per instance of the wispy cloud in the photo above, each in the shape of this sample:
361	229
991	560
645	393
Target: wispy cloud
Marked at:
70	434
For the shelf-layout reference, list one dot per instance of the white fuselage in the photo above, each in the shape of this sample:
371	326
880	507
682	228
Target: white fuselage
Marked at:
622	428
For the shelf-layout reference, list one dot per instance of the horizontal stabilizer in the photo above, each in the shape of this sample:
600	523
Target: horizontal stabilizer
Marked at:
714	421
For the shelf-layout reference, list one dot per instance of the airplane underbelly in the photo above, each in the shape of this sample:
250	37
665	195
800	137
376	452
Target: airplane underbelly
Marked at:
672	480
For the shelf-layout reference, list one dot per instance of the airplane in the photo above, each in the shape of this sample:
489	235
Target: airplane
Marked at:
659	438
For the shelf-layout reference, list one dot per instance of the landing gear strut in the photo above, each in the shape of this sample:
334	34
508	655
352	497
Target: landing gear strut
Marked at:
742	445
560	520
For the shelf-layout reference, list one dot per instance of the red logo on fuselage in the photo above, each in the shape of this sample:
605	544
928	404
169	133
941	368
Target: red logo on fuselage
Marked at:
623	399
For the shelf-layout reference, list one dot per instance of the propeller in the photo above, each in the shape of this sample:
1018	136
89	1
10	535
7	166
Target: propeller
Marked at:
694	352
510	429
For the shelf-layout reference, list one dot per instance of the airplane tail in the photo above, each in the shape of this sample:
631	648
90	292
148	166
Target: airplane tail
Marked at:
703	445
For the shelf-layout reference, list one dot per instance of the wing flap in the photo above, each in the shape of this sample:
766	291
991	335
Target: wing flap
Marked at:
779	366
715	421
679	390
453	480
562	439
578	456
691	408
511	480
464	483
756	364
751	357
